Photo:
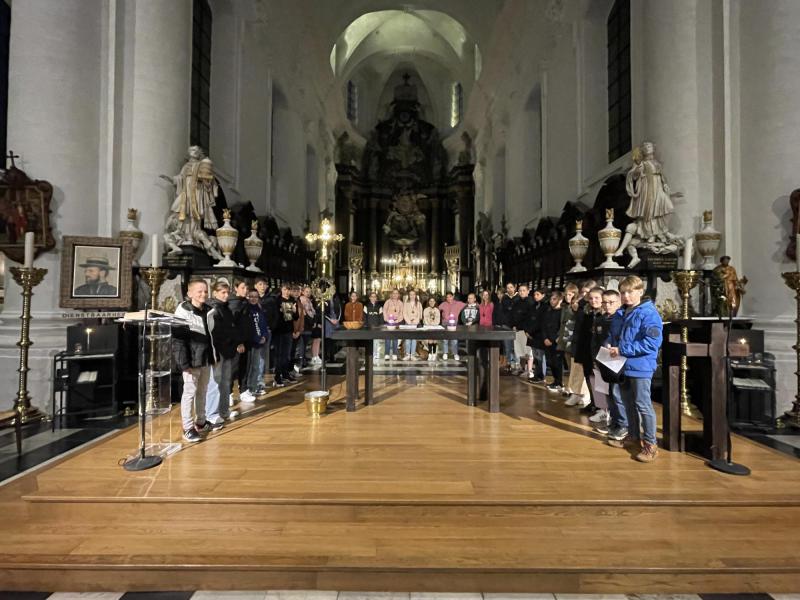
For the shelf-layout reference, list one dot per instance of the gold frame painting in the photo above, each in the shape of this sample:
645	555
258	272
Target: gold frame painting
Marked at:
96	273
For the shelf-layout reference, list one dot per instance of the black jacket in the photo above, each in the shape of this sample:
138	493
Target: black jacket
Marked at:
533	326
521	312
269	303
192	345
601	326
374	314
503	310
582	338
224	329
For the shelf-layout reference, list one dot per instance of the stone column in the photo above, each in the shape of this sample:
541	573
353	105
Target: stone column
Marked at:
157	94
54	115
670	103
373	235
436	244
765	163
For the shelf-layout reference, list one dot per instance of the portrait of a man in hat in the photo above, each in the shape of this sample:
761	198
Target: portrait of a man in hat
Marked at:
97	270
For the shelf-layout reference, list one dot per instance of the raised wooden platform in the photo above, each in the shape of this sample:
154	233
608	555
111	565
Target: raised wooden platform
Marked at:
419	492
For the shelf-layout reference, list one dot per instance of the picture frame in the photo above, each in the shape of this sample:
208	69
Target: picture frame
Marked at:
96	273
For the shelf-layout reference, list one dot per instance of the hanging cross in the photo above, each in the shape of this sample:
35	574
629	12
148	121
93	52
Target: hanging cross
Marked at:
12	156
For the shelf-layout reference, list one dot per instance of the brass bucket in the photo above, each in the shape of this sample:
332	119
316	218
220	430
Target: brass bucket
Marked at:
317	403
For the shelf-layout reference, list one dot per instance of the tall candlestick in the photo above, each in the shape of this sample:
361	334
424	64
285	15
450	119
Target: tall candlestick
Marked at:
28	249
155	256
687	254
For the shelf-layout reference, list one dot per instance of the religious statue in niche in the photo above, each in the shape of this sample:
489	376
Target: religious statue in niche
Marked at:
346	151
650	208
794	205
727	289
192	211
465	157
406	223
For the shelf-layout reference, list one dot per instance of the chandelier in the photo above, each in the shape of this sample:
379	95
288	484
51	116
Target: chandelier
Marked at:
403	271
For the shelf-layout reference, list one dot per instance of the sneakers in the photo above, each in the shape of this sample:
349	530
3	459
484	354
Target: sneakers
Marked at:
456	357
215	420
292	377
297	369
628	443
618	433
394	356
205	428
444	356
648	454
217	426
574	400
407	357
192	436
278	382
247	397
554	388
601	416
602	429
589	408
232	415
385	357
316	360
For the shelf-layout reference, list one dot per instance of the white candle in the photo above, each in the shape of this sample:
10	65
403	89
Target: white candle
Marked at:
687	254
155	256
797	250
28	250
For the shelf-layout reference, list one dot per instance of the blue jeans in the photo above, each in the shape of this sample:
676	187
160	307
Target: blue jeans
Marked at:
639	406
391	347
539	363
256	358
411	347
616	408
219	389
508	350
450	347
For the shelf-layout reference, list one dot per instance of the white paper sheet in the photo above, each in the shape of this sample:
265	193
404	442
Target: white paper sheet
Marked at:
615	364
600	385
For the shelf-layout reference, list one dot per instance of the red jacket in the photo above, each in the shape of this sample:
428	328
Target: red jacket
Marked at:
487	314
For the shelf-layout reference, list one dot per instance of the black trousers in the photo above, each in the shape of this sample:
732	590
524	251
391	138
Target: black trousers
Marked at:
283	354
555	360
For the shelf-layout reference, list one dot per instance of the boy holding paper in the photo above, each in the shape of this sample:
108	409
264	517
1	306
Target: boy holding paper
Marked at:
638	341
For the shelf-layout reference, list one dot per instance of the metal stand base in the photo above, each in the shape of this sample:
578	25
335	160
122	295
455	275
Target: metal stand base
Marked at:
731	468
142	463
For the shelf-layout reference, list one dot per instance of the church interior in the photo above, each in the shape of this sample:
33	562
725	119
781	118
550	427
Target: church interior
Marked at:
355	299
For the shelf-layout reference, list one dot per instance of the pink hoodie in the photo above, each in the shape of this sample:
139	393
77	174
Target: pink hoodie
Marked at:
451	308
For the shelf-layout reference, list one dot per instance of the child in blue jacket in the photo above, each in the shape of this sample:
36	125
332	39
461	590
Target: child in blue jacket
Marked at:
638	339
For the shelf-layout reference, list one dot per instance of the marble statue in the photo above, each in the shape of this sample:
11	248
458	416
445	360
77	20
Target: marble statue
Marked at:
347	152
650	207
727	288
192	211
465	156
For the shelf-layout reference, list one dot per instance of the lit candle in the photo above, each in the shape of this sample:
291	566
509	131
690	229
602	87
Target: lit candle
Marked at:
797	250
155	257
28	250
687	254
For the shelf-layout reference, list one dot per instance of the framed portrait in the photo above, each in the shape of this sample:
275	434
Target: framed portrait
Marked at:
96	273
24	207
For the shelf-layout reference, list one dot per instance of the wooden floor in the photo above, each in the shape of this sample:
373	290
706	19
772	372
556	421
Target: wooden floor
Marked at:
418	492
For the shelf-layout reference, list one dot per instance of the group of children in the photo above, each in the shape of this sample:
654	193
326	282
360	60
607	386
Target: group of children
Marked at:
569	329
229	338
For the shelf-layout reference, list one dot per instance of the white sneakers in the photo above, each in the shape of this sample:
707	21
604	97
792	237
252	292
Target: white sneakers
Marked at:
385	357
247	397
574	400
444	356
456	357
407	357
394	356
601	416
316	360
432	357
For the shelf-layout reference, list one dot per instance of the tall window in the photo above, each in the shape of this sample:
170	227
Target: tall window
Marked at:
352	102
456	104
619	79
5	33
201	74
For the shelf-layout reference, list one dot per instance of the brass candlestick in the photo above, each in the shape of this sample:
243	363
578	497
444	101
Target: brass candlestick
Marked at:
154	278
24	413
685	281
792	417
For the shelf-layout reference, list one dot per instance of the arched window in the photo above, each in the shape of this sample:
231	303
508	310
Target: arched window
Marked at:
456	105
619	79
352	102
199	131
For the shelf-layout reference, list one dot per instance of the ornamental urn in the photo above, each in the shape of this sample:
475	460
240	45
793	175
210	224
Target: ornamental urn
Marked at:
253	246
226	240
609	238
578	246
133	233
708	240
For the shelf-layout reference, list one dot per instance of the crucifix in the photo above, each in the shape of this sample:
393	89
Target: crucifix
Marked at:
12	156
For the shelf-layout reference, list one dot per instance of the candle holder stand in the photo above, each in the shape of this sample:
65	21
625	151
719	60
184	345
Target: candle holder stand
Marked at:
685	282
